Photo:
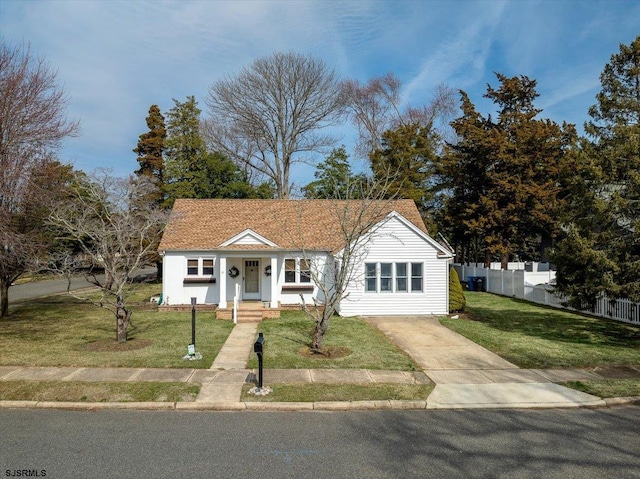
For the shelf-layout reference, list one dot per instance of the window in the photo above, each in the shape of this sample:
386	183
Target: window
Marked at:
289	270
305	271
192	267
385	277
401	277
207	267
200	266
393	277
370	277
416	276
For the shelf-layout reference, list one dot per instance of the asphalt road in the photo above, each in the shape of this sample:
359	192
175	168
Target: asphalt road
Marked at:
569	443
36	289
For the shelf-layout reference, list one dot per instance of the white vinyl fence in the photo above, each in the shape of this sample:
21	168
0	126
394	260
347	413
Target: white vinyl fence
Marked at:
522	285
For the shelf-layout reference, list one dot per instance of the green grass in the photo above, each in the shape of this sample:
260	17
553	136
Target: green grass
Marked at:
77	391
608	388
286	337
533	336
61	331
341	392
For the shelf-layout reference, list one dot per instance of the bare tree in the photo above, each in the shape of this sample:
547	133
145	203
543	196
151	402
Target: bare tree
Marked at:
33	124
270	114
376	106
113	225
357	215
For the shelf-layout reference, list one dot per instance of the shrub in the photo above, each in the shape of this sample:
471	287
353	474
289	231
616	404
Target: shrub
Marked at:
456	296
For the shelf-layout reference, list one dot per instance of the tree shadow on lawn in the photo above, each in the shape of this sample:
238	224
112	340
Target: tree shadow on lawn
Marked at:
555	325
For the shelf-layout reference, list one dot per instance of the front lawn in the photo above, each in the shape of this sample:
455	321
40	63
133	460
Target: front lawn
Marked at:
534	336
77	391
62	331
356	344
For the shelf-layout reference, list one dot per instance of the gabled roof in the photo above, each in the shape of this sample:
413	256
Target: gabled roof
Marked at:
286	224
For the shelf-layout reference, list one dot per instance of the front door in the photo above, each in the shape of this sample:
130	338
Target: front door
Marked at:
251	279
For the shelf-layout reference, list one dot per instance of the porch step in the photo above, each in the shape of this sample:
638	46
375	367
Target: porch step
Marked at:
248	315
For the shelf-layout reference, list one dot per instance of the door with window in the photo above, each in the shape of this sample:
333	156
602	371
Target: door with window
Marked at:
251	279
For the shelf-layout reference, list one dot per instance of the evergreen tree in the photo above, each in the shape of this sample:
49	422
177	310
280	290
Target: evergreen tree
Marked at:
510	170
334	179
194	172
601	253
457	301
406	161
150	149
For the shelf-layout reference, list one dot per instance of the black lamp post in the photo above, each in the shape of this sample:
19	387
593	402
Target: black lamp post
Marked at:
193	322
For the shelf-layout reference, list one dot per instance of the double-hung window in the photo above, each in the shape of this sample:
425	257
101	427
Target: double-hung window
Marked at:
416	277
401	277
393	277
386	279
297	271
200	266
370	278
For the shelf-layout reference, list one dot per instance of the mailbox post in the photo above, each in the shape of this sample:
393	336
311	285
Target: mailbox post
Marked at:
258	347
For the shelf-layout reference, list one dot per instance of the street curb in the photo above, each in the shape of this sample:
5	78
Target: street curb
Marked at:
295	406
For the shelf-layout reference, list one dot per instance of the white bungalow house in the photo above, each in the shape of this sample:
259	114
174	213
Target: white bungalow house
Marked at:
269	252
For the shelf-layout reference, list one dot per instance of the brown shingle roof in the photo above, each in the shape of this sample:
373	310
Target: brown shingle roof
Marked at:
290	224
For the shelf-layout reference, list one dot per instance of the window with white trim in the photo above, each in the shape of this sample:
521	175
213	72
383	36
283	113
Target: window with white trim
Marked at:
386	278
401	277
200	266
370	278
393	277
416	277
297	271
305	271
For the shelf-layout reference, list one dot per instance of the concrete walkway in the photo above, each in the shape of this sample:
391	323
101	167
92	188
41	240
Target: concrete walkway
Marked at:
232	359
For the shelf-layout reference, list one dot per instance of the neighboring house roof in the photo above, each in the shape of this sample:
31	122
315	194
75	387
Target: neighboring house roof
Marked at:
271	224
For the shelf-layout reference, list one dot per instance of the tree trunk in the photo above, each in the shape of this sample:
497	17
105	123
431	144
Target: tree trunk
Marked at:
504	261
108	280
4	298
317	340
122	322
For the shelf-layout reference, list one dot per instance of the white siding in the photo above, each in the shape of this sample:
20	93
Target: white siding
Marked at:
174	271
395	242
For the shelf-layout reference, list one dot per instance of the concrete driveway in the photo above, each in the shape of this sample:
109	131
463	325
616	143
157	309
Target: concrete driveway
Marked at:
469	376
432	346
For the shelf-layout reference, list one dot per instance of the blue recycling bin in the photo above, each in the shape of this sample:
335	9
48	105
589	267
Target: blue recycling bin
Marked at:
470	283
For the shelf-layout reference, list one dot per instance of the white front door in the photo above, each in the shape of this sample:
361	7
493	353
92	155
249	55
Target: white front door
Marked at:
251	279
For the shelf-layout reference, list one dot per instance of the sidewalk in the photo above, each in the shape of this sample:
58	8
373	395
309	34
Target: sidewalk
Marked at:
465	374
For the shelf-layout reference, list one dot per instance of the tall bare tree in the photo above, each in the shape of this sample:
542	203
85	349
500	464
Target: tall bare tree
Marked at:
376	107
356	213
33	123
118	229
270	115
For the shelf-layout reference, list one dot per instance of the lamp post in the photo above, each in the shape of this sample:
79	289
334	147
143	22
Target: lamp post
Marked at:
193	322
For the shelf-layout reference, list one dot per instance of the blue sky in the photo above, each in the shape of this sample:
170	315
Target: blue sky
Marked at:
115	59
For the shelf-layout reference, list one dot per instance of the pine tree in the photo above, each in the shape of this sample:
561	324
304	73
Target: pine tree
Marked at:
150	149
601	254
334	179
506	172
406	161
